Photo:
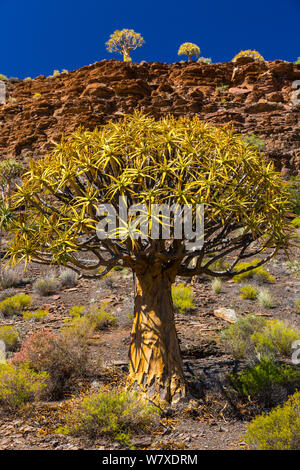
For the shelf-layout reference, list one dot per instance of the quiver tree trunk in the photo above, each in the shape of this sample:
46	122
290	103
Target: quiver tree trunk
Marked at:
154	355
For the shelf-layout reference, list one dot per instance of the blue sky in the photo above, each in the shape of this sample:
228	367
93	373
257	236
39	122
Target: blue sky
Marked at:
39	36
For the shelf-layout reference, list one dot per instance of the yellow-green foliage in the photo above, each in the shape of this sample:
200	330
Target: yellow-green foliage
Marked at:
237	337
149	161
3	78
296	222
35	315
278	430
297	304
189	49
27	79
15	305
56	73
265	298
20	384
260	378
115	415
248	292
275	338
124	41
298	61
9	334
37	95
257	273
249	53
182	297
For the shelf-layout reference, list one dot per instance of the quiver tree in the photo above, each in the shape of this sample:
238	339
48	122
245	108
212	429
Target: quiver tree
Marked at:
143	161
123	42
189	49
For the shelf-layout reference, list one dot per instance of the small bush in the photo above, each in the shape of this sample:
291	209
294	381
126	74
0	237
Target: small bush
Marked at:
15	305
37	95
265	299
216	285
116	415
237	337
63	356
68	278
296	222
248	292
260	379
255	142
10	277
35	315
96	317
3	77
4	294
276	338
297	305
259	273
47	286
10	336
20	384
279	430
182	297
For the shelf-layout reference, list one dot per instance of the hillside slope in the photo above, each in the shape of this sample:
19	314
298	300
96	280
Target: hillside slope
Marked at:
256	98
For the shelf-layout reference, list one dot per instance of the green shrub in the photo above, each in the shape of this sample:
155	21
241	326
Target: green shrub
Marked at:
116	415
216	285
279	430
275	338
255	142
35	315
15	305
3	78
47	286
265	299
237	337
260	379
249	53
257	273
10	336
248	292
297	61
222	88
19	384
182	297
296	222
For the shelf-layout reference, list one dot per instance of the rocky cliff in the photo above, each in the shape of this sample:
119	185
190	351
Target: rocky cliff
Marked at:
256	97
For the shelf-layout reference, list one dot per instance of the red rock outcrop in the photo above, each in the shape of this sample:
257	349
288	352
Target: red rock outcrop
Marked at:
256	97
